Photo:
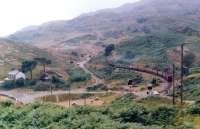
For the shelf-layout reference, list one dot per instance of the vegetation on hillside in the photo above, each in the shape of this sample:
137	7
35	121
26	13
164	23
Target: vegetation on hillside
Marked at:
191	88
123	113
151	49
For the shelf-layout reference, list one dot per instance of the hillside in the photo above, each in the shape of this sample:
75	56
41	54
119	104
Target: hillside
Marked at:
147	33
13	53
116	25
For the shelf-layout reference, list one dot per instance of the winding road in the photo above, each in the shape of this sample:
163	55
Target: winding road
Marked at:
82	66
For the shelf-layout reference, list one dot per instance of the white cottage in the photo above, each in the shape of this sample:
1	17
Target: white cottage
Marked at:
15	74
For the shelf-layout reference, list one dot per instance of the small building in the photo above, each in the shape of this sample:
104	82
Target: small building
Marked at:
15	75
152	92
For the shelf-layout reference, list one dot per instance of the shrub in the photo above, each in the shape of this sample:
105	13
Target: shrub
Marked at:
57	80
20	82
78	76
31	82
99	87
6	104
163	115
155	82
135	114
8	84
42	86
127	97
195	109
124	100
109	49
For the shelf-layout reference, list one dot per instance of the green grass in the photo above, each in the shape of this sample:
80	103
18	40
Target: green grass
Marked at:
153	102
151	47
4	70
191	87
112	116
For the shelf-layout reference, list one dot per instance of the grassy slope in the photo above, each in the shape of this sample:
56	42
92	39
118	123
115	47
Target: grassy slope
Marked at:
149	48
48	116
12	54
152	51
192	87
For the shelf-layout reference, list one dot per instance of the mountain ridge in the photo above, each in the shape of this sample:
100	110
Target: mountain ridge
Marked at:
115	25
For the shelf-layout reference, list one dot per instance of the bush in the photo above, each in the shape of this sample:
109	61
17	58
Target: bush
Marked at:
20	82
48	116
163	115
127	97
31	82
140	114
155	82
99	87
195	109
42	86
125	100
135	114
109	49
57	80
78	76
9	84
191	88
6	104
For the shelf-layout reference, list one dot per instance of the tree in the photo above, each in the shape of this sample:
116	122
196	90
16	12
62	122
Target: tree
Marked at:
28	66
155	82
109	49
43	61
56	82
188	60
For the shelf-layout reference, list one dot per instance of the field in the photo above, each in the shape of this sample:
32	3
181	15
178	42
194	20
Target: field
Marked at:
92	99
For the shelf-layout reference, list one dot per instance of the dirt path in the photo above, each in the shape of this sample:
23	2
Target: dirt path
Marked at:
82	66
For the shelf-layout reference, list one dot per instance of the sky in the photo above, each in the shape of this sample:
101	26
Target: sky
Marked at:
17	14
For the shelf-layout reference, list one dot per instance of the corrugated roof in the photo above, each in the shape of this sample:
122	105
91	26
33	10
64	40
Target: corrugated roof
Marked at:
14	72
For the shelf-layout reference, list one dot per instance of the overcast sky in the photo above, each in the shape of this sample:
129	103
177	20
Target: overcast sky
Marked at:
17	14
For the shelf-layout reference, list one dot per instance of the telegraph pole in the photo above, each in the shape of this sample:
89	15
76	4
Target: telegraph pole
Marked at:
69	95
181	88
173	84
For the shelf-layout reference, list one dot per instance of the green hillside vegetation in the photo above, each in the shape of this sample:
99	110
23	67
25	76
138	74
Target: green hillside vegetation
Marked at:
191	88
112	25
77	77
150	48
35	71
14	53
123	113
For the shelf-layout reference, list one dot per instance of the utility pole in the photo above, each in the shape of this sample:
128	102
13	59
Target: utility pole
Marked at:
51	89
69	95
173	84
181	88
